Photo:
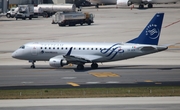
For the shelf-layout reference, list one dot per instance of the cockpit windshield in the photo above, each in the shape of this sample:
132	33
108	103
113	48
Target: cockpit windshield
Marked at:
22	47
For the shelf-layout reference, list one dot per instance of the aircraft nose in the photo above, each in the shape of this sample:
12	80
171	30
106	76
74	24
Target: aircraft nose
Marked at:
14	54
17	54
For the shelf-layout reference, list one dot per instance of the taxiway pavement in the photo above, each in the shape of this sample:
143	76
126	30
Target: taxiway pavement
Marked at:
130	103
111	25
19	77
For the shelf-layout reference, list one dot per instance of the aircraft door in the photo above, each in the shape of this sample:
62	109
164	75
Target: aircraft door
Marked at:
34	50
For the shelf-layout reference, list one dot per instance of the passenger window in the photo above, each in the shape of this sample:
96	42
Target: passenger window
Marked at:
53	47
45	47
49	47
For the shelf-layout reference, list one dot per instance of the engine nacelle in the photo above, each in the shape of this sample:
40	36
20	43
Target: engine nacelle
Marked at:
57	62
123	3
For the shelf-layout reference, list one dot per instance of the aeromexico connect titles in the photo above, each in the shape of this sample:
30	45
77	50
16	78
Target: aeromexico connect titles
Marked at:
63	53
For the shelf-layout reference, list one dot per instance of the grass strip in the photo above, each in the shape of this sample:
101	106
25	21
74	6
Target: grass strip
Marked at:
90	92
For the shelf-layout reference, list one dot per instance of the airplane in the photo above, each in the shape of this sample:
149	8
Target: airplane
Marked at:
63	53
98	2
141	3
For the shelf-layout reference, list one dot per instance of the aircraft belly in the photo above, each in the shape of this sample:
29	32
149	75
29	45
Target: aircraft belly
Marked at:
136	1
103	1
108	1
162	1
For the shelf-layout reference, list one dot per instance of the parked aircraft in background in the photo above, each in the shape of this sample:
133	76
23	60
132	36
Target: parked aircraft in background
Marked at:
141	3
63	53
98	2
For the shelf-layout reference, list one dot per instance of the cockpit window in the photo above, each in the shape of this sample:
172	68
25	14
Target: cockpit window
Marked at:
22	47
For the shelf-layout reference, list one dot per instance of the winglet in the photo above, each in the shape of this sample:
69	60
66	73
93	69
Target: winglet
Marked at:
151	33
69	52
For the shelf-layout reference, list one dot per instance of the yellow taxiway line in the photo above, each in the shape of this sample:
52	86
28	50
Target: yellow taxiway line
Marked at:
104	74
73	84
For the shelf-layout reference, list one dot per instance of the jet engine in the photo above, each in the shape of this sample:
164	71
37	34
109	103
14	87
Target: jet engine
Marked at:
57	62
123	2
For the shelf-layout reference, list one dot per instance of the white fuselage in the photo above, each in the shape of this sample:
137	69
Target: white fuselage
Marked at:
153	1
102	1
97	52
161	1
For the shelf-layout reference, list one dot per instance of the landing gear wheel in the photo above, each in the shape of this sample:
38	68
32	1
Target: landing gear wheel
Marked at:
80	67
141	6
97	6
94	65
33	65
150	5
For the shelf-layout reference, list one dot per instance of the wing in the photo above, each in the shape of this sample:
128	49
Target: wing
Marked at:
78	58
81	58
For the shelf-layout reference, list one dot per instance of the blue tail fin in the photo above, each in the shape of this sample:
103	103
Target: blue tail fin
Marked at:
151	33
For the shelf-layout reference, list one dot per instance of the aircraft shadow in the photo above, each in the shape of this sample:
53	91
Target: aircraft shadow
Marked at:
125	67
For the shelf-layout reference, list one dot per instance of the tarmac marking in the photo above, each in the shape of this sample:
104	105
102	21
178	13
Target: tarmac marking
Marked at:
92	82
68	77
112	82
73	84
148	81
104	74
172	24
27	82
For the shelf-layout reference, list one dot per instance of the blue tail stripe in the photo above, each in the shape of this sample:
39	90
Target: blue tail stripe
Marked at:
151	33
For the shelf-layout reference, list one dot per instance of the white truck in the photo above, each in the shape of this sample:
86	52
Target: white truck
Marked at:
72	18
12	12
25	11
50	9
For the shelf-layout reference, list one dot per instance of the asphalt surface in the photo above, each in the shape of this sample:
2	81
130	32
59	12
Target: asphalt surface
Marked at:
128	103
43	76
111	25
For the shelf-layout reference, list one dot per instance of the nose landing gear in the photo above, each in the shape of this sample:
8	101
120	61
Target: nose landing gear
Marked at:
33	65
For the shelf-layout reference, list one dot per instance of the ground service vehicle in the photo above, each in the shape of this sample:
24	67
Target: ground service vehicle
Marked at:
37	12
12	12
25	11
50	9
72	18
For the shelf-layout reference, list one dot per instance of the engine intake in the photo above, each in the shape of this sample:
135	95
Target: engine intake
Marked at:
56	62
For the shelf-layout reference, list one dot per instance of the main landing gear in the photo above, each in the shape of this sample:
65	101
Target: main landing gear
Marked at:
94	65
33	65
81	66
